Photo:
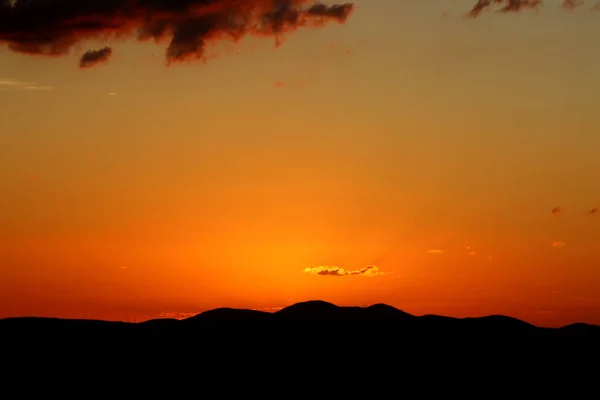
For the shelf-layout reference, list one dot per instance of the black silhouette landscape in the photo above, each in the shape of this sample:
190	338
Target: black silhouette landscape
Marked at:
317	320
313	335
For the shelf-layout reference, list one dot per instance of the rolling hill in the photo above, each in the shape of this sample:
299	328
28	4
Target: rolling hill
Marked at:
309	329
318	316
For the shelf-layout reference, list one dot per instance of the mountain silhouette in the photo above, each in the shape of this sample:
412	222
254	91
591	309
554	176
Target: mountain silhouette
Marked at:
311	334
313	309
229	314
311	314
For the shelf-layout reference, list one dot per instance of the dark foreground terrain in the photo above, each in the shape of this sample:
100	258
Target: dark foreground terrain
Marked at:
323	341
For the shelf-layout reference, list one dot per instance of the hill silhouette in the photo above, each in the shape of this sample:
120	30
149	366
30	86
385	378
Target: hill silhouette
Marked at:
310	314
313	333
318	316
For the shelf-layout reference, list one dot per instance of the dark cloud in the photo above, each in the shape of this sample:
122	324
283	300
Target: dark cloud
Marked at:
503	6
54	27
517	5
94	57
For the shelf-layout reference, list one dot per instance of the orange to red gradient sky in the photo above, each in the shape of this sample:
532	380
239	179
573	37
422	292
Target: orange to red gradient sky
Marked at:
134	190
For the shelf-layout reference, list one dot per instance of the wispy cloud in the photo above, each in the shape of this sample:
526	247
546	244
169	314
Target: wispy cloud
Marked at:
506	6
558	244
13	84
435	251
177	315
325	270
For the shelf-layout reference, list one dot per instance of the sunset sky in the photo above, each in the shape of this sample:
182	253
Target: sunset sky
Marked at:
408	156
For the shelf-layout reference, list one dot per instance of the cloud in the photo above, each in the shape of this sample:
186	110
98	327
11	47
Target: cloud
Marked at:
55	27
502	6
95	57
593	211
177	315
505	6
13	84
35	87
435	251
472	253
369	270
558	244
556	210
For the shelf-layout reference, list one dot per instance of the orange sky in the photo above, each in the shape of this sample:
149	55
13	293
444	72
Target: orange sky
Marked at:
133	190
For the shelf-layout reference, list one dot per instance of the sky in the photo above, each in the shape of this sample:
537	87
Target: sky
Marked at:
386	151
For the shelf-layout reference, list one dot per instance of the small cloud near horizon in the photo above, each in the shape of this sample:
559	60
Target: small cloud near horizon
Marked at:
556	210
435	251
177	315
558	244
325	270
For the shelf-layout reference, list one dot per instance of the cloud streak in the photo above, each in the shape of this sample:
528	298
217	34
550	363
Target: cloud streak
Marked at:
55	27
506	6
177	315
435	251
13	84
502	6
369	270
